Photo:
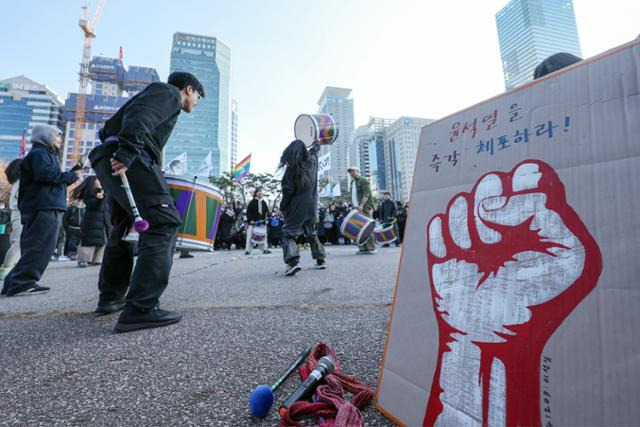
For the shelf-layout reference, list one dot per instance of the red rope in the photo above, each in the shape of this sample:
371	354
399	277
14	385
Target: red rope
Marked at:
329	407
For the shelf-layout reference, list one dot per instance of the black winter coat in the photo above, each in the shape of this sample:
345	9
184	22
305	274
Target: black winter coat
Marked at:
144	122
387	211
300	205
227	219
252	211
43	185
95	224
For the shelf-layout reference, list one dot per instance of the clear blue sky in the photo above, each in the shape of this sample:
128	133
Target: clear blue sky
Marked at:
423	58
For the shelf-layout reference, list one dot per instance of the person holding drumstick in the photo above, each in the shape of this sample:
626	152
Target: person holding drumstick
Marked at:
132	142
299	204
363	201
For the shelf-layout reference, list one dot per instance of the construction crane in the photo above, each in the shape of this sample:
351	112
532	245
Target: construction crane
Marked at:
88	28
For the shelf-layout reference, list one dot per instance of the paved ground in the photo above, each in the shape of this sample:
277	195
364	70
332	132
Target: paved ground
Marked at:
244	322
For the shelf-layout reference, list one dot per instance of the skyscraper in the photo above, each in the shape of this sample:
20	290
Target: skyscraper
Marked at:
23	104
335	101
530	31
112	83
401	140
377	127
208	127
234	134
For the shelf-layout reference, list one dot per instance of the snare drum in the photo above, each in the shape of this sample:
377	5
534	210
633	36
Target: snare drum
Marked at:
258	234
199	208
315	127
386	233
357	226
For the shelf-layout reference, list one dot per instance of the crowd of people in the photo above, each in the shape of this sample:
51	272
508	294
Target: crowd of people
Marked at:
88	223
234	225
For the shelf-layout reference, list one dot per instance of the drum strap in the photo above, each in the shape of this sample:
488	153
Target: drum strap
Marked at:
329	407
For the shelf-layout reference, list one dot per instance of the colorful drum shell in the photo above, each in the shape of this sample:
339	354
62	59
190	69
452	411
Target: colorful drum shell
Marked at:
357	226
258	234
199	208
386	233
312	127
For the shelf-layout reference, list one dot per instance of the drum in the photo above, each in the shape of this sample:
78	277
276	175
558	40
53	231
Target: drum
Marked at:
198	205
312	127
258	233
357	226
386	233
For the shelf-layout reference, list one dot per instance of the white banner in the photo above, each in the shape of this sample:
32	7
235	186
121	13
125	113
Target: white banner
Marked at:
177	166
336	192
205	167
324	163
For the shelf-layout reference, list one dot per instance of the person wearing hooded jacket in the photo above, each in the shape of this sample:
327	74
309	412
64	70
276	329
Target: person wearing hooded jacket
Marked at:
299	204
42	199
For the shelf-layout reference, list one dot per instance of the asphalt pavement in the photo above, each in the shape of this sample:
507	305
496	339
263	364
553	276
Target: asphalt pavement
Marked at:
244	323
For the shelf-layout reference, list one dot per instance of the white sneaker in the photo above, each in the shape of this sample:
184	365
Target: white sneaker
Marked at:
64	258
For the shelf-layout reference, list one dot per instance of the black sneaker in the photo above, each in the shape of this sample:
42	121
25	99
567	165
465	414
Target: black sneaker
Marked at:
247	252
266	251
108	307
132	319
320	264
30	290
293	269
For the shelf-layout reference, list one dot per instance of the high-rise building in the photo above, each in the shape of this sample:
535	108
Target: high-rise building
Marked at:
112	83
401	140
23	104
335	101
529	31
377	127
234	134
361	150
208	127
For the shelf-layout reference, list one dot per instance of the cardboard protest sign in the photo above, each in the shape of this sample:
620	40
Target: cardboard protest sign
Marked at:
517	300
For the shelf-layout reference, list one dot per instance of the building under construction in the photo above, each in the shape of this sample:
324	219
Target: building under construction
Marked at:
112	83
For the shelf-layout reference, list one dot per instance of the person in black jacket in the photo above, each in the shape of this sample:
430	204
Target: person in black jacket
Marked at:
227	218
71	221
257	214
387	213
299	204
401	218
132	143
94	226
42	199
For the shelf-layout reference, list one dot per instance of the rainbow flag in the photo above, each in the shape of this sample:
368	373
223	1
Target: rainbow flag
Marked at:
242	169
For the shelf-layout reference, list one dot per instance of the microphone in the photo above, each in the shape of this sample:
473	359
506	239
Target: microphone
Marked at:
261	398
306	389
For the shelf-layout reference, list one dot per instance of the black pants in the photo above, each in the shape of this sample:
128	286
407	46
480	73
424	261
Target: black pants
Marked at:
37	243
144	283
290	246
332	234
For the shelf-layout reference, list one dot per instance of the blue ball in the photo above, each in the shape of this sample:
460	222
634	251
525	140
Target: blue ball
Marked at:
261	400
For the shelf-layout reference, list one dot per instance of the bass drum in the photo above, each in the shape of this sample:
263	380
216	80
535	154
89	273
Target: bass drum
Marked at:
199	206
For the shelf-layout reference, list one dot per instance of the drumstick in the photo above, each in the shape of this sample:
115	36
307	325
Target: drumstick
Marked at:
140	225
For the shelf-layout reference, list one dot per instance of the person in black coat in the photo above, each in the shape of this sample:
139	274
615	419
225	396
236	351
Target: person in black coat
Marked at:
71	221
299	204
227	218
132	142
42	199
257	214
401	218
94	226
387	213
